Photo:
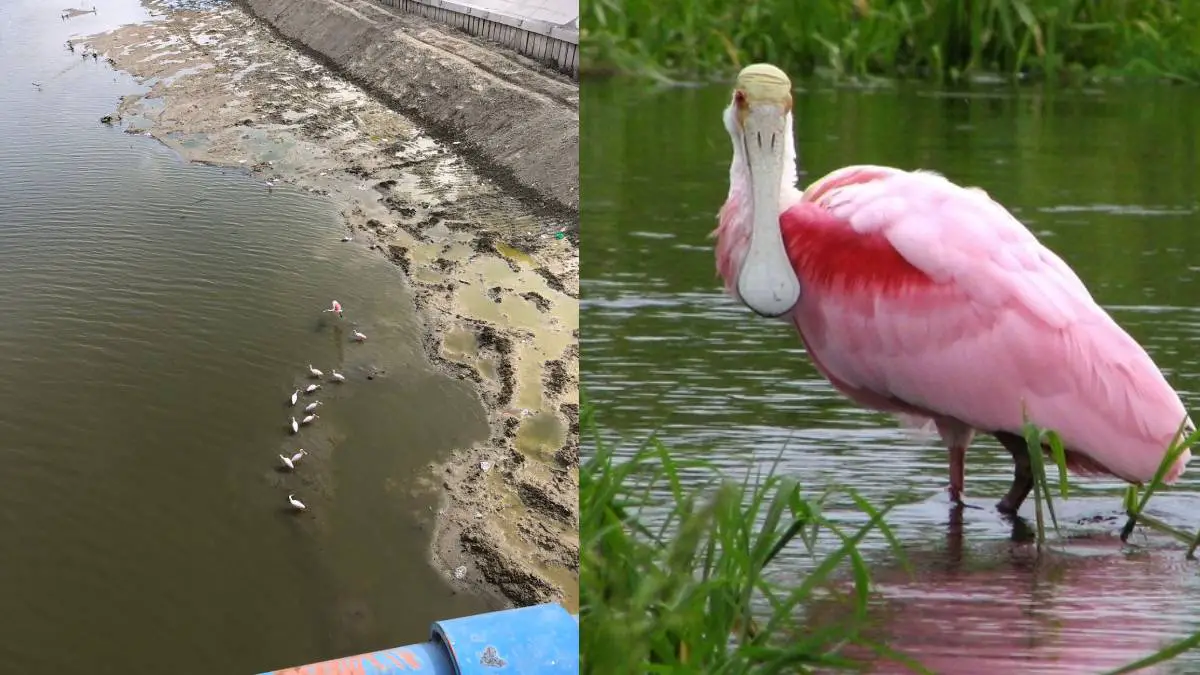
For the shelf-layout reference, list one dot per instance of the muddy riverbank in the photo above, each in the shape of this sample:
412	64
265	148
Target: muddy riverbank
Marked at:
495	277
517	121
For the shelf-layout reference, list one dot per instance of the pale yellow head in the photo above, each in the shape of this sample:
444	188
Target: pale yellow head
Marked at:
763	84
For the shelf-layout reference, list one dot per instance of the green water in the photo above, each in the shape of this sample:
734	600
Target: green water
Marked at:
1108	179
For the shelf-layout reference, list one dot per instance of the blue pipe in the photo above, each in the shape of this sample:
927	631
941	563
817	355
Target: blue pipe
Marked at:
537	640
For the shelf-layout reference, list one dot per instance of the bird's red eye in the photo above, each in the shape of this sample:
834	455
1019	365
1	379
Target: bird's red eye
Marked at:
739	98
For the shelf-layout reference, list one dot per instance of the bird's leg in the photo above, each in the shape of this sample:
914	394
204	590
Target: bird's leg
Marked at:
1022	472
954	535
957	436
958	460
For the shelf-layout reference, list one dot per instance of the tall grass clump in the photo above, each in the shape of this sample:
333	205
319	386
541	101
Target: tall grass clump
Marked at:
678	596
1144	39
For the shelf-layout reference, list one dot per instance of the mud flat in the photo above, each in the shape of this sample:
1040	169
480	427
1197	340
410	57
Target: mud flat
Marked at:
493	267
518	119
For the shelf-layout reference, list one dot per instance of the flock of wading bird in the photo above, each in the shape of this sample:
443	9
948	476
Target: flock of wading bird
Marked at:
930	301
310	410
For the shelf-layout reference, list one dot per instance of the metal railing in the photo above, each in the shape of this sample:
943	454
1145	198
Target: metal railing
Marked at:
554	46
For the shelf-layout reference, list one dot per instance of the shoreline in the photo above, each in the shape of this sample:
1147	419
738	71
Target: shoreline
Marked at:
494	278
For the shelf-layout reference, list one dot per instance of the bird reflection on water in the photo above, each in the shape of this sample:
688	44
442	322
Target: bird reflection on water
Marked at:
1083	605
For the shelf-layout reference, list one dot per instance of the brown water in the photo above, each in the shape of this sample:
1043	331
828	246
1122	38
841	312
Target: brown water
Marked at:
154	316
1107	178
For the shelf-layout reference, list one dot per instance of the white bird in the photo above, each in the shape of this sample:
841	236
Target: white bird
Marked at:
311	388
346	238
308	419
338	377
312	406
296	503
313	371
359	336
335	307
295	396
290	462
295	426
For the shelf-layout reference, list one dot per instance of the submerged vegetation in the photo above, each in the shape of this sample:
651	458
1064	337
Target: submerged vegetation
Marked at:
675	575
1133	39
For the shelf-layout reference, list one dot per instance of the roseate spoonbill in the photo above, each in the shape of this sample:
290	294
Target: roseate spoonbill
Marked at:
930	301
296	503
335	307
359	337
295	396
314	372
290	462
311	406
337	377
309	418
311	388
295	426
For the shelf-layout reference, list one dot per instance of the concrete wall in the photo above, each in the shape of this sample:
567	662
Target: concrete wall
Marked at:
555	46
518	125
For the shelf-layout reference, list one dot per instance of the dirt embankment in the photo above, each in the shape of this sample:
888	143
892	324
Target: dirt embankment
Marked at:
496	278
513	117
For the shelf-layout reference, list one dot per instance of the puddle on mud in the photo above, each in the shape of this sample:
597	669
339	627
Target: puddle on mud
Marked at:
461	344
540	436
529	381
513	253
487	367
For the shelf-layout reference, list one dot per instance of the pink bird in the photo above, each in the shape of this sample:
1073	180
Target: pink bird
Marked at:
336	308
920	298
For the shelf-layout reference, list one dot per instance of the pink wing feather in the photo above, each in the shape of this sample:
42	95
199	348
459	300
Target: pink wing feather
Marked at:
935	299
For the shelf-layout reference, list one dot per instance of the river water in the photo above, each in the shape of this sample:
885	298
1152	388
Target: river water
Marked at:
156	315
1107	178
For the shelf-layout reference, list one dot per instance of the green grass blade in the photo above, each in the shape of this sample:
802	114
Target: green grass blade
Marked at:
1165	654
1059	454
1177	448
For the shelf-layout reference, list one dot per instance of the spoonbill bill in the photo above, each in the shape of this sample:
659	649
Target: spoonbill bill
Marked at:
311	388
337	377
295	426
335	307
359	337
296	503
295	396
308	418
929	301
291	462
314	372
311	406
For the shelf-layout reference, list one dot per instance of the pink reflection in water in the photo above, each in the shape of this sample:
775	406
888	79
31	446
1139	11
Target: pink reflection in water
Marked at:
1003	611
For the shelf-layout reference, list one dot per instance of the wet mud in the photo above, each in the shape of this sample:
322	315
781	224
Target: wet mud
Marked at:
495	277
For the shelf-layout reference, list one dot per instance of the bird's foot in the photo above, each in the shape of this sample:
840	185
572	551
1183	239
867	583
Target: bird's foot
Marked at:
957	500
1005	507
